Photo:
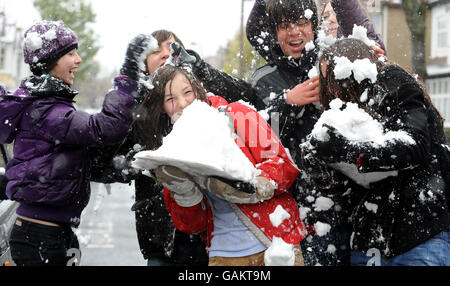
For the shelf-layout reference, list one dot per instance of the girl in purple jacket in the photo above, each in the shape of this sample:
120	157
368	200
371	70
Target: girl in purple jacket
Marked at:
50	170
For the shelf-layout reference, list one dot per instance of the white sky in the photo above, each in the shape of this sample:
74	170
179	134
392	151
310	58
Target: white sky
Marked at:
204	25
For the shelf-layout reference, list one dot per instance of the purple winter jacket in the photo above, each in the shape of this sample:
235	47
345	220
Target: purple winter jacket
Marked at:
50	170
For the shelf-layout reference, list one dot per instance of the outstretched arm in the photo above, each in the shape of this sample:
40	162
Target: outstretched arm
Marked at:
257	30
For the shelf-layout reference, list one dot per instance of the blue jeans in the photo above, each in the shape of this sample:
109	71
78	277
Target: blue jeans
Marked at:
158	261
434	252
315	249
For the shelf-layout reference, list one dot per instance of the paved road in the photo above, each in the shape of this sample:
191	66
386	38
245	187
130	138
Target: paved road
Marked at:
107	233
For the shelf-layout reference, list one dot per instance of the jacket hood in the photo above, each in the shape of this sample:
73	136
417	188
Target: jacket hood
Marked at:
14	105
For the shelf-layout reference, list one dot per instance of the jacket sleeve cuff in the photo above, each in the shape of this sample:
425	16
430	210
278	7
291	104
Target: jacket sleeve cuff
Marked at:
125	84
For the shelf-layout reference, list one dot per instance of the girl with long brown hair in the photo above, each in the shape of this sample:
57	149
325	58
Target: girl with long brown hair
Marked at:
404	218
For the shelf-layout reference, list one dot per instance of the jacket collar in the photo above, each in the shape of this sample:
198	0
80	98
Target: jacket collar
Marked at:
298	66
44	86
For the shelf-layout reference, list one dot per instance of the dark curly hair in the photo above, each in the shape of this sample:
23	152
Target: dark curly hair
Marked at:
280	11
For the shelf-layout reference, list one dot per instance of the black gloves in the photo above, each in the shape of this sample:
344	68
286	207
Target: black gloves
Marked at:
368	156
138	50
336	149
181	57
318	171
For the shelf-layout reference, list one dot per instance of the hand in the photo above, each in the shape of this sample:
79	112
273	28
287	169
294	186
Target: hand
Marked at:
264	189
336	149
304	93
138	50
318	171
180	56
379	52
185	191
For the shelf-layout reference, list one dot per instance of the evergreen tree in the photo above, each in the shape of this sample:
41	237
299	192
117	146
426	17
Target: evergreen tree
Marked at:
78	16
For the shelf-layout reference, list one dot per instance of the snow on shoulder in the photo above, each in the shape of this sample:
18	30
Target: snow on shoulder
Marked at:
357	126
201	143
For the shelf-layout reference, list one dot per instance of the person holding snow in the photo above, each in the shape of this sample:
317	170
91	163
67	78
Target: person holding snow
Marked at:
287	34
160	243
404	218
49	172
235	233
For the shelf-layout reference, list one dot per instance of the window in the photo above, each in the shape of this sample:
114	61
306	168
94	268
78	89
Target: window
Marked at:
442	33
2	57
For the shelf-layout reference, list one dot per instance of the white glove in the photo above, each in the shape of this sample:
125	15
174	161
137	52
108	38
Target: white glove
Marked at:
264	188
185	191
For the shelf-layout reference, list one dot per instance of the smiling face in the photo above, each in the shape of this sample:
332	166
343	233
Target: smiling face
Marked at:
330	17
293	37
66	66
158	57
178	95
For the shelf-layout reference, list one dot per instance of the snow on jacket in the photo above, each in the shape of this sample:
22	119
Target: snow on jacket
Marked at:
50	170
400	212
279	168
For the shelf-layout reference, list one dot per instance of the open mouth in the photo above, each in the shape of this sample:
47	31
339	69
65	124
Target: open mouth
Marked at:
296	44
72	72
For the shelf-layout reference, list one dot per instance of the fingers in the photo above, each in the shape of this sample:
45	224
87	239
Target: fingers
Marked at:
305	93
379	52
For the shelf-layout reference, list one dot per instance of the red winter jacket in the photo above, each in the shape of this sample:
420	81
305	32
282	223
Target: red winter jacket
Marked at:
268	155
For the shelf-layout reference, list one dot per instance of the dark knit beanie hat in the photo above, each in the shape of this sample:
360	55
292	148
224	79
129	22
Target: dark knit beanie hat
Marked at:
45	43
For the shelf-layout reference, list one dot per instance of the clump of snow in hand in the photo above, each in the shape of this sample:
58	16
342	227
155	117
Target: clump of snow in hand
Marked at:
201	144
278	216
279	253
357	126
362	69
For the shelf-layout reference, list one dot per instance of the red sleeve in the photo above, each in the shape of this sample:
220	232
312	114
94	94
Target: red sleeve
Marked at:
262	146
191	220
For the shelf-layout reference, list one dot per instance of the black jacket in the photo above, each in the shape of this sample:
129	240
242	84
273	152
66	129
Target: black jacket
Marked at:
411	207
293	123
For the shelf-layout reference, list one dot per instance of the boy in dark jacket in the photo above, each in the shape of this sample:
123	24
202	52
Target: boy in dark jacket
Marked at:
49	172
